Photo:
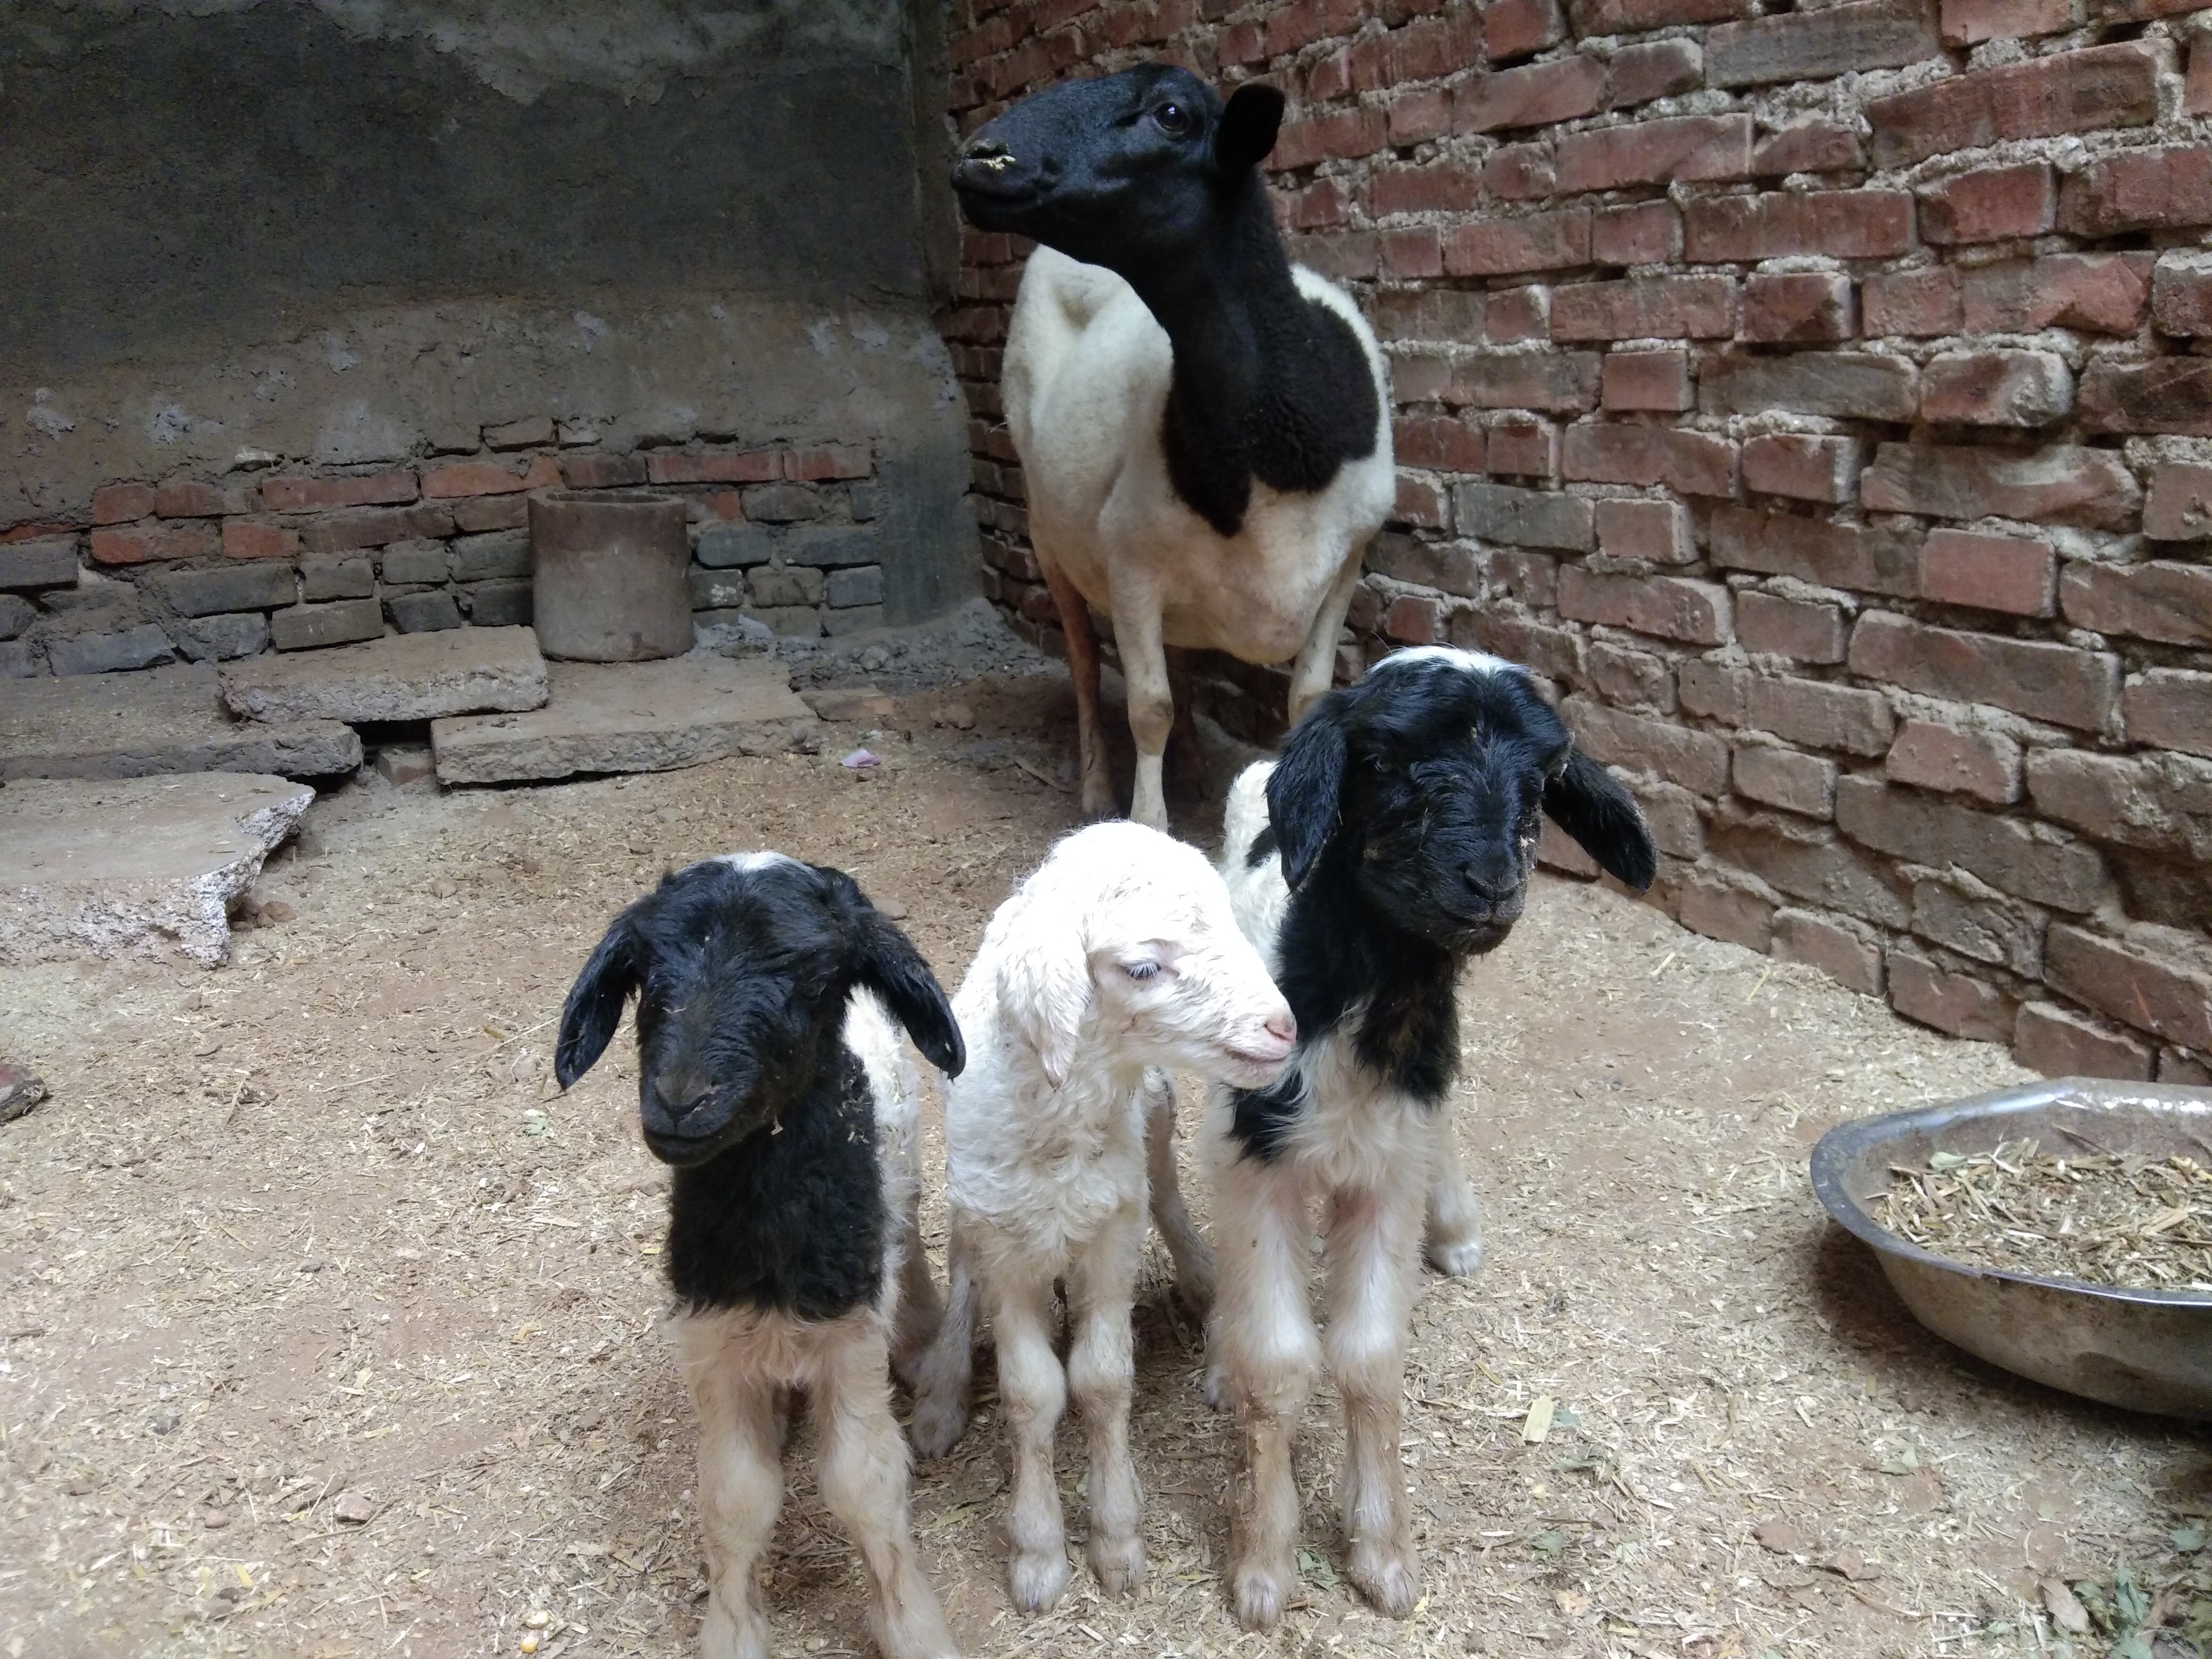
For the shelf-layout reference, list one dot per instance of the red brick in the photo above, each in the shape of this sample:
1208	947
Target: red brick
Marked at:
121	503
2011	574
1628	16
1532	96
1304	21
247	539
1689	463
1423	50
1320	204
2010	854
1667	607
1845	224
1804	467
1410	254
190	498
1524	449
602	471
475	513
1438	442
2165	394
2139	190
1516	314
1696	761
674	467
1514	28
2179	507
472	478
2156	801
1990	204
2100	293
1659	70
1656	532
1348	134
1645	308
830	461
1968	22
2060	1042
1539	241
1868	559
1957	760
2059	483
1799	305
1419	115
2196	90
1637	679
2157	601
2039	678
1836	947
1997	388
1332	76
144	542
1775	776
1814	46
1656	152
373	526
1817	715
1641	234
1523	518
2177	1065
1414	619
1770	625
1564	381
1420	502
2155	979
1519	172
2114	86
1817	145
2181	294
1912	302
2170	708
1656	381
1845	385
1422	190
395	487
1959	1003
1724	911
1420	378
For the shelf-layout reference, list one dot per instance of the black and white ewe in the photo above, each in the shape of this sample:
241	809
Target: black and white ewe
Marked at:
771	1078
1392	841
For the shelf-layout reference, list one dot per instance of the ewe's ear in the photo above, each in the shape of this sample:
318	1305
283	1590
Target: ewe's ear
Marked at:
594	1009
1044	984
1305	790
1247	126
886	962
1584	800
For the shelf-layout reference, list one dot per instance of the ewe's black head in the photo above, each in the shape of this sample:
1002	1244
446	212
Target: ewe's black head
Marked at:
1418	789
742	967
1135	168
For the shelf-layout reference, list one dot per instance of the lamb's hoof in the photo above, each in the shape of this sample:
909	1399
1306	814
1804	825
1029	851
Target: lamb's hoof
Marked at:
937	1426
1259	1593
1455	1258
1117	1564
1038	1578
1216	1385
1389	1579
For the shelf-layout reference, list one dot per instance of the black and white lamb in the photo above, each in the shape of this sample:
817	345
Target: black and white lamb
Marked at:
770	1077
1392	841
1203	427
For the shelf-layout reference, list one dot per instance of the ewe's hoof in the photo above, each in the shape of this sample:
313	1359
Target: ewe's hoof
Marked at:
937	1426
1391	1583
1259	1594
1038	1578
1455	1259
1119	1565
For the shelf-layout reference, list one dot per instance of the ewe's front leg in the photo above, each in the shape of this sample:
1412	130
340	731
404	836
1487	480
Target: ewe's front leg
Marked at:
1315	666
1193	1255
941	1376
1097	780
740	1489
1455	1225
1151	701
1032	1395
1101	1376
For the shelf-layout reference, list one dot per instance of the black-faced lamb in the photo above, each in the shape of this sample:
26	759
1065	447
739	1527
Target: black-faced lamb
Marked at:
1117	960
770	1076
1392	841
1203	425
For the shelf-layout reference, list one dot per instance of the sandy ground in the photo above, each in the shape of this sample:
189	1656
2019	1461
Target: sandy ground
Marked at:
329	1325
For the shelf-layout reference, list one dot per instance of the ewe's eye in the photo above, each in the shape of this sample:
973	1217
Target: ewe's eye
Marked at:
1140	971
1174	120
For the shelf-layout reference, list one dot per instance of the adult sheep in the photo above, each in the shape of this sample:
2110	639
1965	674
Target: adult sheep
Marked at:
1202	425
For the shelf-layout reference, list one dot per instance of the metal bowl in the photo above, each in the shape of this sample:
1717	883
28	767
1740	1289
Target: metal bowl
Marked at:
2149	1351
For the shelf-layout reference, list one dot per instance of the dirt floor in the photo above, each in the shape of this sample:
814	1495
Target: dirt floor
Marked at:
330	1324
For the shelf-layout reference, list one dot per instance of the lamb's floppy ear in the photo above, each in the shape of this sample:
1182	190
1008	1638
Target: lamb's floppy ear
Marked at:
594	1009
1045	983
1582	797
1248	127
1306	789
886	962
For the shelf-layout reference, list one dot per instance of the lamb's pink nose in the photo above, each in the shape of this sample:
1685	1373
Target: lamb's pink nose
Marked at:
1283	1028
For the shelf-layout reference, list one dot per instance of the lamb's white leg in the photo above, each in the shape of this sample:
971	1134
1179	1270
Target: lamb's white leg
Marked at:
1097	780
1193	1255
740	1490
1101	1376
864	1482
1151	701
1263	1340
1373	1247
940	1379
1314	668
1454	1225
1032	1395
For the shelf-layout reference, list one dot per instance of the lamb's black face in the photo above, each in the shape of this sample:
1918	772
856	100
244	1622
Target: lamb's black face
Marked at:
741	967
1132	166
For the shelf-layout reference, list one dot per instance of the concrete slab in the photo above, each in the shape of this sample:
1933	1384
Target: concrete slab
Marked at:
629	717
409	676
135	866
162	722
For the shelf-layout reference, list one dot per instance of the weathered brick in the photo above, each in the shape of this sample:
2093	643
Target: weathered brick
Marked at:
1447	187
1803	784
141	543
602	471
1960	1004
477	478
2012	574
1414	619
827	462
407	562
1659	70
2165	394
1995	388
304	626
1725	909
1532	96
1960	914
1633	680
1524	448
1818	715
1656	152
1421	503
1412	253
1990	203
373	526
1957	760
2114	86
2097	292
1536	241
1516	573
1771	625
1866	559
121	503
1514	28
1418	115
2060	483
2157	801
2055	1041
1430	564
1813	46
532	432
1844	224
1689	463
2155	979
2196	88
2139	190
1717	690
393	487
1517	172
1559	380
1668	607
338	578
1629	16
1816	145
110	651
1658	531
2179	1066
1645	308
195	498
1911	303
1638	233
2030	861
1810	862
1438	441
2171	707
249	538
1846	384
2040	678
1798	307
2158	600
476	514
1349	133
1698	760
1838	949
1514	315
1654	380
1555	652
237	588
1969	23
1803	466
1526	518
2181	294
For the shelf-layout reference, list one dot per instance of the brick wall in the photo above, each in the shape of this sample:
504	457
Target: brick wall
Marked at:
1817	397
260	558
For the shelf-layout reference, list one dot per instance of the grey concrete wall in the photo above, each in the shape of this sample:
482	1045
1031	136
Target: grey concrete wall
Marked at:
359	231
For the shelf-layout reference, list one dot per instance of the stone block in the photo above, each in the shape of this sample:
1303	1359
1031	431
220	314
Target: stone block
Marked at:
424	613
406	678
230	588
221	639
501	604
829	546
859	585
503	553
406	562
338	578
28	566
110	651
308	626
170	721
